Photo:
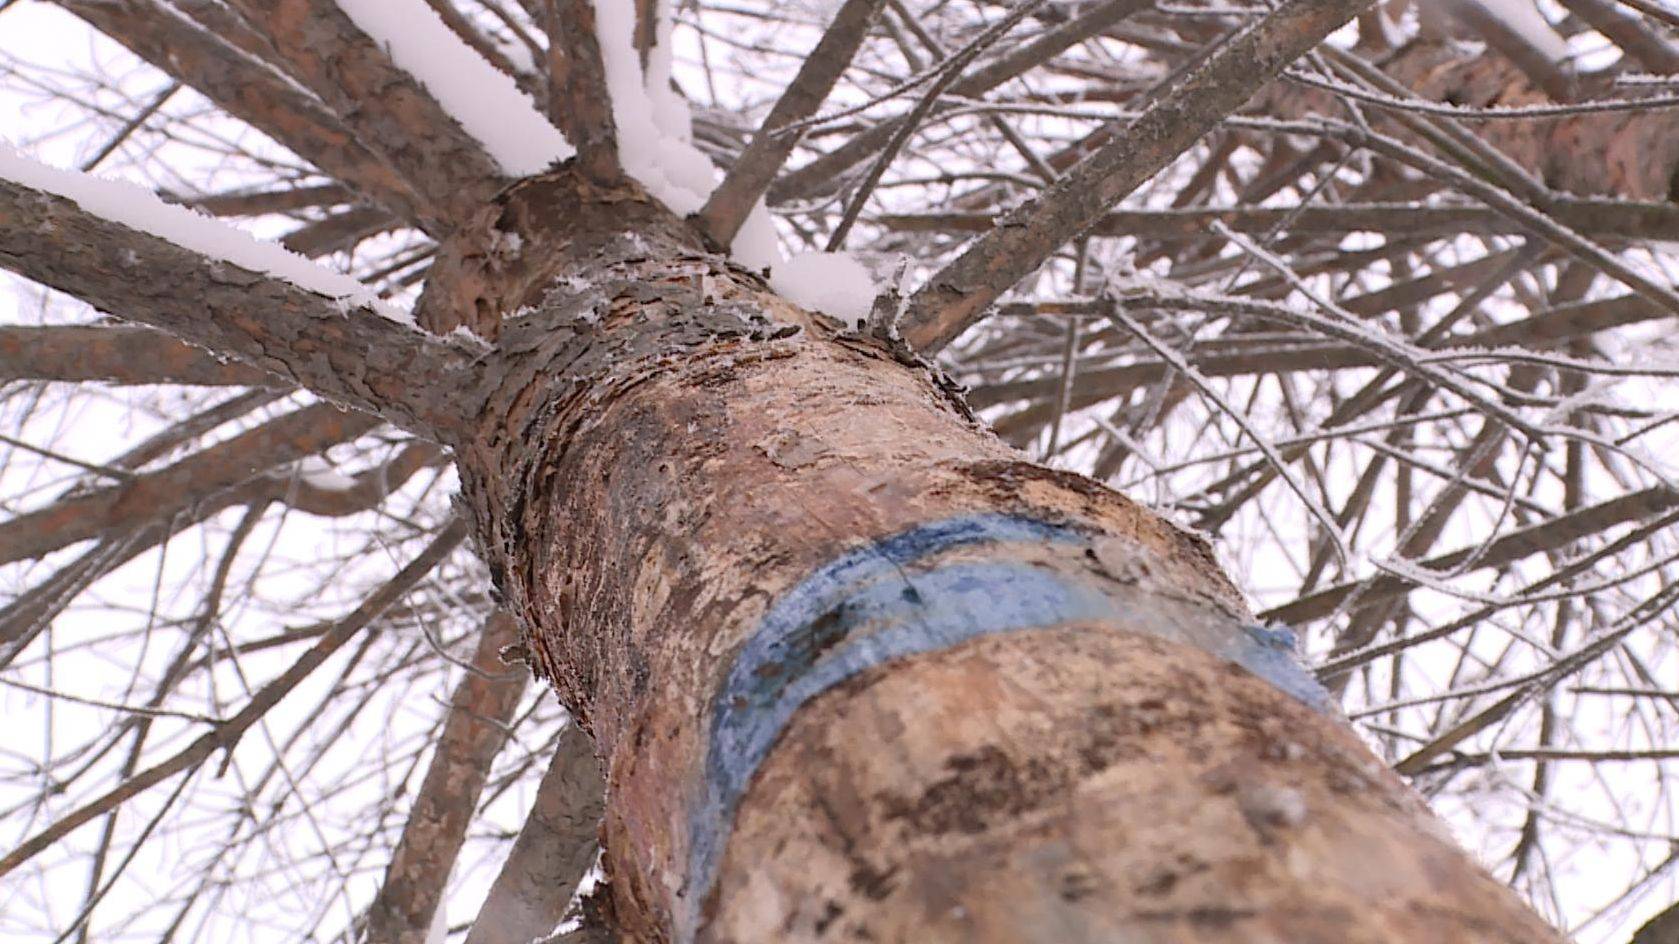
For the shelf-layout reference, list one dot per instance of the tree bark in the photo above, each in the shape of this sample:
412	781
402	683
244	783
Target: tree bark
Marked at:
857	671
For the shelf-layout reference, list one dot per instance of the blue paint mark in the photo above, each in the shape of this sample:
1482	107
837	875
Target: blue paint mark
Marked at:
1271	653
1275	635
894	599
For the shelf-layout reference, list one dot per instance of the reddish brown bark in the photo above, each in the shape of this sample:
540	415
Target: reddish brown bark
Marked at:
480	711
669	465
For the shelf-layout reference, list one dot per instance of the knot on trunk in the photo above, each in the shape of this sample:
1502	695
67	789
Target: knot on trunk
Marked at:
505	257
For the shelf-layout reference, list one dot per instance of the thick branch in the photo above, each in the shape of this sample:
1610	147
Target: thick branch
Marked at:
351	357
579	100
23	618
752	173
251	91
554	850
1640	42
479	712
339	232
257	202
1516	47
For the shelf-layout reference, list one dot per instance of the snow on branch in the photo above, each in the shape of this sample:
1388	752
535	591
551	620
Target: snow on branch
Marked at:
833	283
486	102
140	209
123	251
655	146
654	127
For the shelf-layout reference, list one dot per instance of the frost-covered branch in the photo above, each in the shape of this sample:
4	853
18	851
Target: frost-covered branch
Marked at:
958	295
225	736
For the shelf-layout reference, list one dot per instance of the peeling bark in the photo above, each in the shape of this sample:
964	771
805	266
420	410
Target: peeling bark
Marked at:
857	671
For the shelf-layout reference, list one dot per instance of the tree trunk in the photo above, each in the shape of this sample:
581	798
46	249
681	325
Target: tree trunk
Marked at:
857	671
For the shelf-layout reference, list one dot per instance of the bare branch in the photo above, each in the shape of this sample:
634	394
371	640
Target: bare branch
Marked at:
1546	535
958	295
820	174
27	615
473	733
554	850
227	735
752	174
579	99
1615	218
158	495
118	355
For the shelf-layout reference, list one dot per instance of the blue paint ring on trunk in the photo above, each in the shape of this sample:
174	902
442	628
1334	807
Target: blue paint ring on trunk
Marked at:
892	599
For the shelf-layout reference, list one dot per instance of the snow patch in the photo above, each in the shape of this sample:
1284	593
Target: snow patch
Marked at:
756	246
670	110
486	101
671	169
314	472
438	933
140	209
833	283
656	130
518	54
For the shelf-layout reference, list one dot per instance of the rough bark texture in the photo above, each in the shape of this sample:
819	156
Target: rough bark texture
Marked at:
859	672
338	351
382	104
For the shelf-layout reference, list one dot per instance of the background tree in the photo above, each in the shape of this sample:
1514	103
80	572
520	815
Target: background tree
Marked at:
1395	329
